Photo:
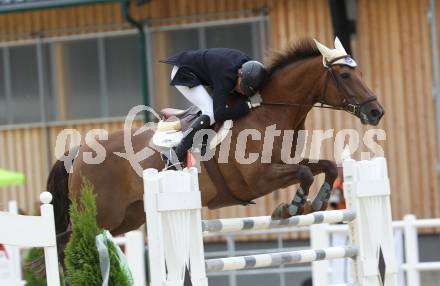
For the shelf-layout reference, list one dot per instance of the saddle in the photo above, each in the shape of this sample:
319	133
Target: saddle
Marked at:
170	129
171	126
174	122
186	117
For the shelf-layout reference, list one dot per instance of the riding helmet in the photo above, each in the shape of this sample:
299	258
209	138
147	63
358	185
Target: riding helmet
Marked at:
253	75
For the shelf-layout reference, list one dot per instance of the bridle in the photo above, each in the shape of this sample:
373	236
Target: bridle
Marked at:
349	103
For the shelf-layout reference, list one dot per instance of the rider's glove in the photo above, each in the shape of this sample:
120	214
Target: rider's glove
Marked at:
254	101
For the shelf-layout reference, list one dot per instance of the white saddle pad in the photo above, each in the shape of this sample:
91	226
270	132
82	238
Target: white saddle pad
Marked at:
170	138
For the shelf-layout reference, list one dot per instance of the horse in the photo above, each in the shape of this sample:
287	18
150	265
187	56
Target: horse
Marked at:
301	77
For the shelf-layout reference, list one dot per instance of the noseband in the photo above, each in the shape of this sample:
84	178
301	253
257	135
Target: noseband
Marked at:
349	103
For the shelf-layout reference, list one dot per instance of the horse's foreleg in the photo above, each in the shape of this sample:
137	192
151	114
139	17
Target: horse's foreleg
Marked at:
277	176
297	206
320	201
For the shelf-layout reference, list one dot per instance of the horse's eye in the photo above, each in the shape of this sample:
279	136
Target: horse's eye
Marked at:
345	75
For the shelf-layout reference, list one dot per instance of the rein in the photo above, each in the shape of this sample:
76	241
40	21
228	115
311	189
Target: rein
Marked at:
349	103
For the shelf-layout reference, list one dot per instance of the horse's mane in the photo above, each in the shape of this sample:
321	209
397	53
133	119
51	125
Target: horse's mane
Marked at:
300	50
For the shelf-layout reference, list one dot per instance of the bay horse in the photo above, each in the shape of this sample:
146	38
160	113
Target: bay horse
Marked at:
300	77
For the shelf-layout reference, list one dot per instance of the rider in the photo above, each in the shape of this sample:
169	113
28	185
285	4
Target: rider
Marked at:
226	72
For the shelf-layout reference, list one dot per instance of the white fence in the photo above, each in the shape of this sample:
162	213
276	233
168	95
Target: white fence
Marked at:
134	249
172	203
407	250
33	231
406	243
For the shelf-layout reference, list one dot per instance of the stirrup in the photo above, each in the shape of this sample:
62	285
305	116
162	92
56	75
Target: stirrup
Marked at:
188	163
170	160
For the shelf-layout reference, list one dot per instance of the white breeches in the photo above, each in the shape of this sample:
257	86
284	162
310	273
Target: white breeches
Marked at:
197	96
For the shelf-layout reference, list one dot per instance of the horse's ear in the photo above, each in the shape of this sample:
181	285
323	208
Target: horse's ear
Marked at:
339	46
325	52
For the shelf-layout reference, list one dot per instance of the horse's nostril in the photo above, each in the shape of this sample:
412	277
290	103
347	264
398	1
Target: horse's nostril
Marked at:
375	113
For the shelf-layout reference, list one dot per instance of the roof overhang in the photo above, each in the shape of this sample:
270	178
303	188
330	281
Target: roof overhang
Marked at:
11	6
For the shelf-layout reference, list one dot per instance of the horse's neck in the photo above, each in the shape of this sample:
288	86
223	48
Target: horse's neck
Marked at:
300	85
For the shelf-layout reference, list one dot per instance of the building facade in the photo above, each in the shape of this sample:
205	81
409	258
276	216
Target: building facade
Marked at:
78	67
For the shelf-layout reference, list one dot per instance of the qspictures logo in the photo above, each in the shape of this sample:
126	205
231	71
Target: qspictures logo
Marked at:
292	146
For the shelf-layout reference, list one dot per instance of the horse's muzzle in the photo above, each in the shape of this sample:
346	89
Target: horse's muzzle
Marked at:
371	114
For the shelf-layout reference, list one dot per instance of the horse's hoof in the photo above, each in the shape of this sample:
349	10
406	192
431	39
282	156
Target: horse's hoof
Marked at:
293	210
317	205
281	212
307	208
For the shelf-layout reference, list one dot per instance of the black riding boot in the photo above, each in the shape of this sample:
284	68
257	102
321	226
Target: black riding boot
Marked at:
200	123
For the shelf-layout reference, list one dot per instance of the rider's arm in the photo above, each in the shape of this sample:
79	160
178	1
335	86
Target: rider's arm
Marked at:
222	111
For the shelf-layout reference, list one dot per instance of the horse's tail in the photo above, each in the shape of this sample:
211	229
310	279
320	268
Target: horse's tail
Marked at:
57	185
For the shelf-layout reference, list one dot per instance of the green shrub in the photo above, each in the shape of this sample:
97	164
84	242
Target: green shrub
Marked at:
82	258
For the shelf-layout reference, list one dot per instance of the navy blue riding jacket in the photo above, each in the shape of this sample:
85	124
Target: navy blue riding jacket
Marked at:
216	68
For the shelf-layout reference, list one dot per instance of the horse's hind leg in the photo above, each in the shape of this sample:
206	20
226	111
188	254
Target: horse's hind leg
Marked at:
320	201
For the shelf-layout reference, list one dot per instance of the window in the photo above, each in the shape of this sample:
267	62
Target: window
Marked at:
97	77
122	74
81	80
77	78
236	36
21	66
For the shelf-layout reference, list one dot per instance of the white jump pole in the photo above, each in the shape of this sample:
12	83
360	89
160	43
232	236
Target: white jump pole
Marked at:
266	222
279	258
